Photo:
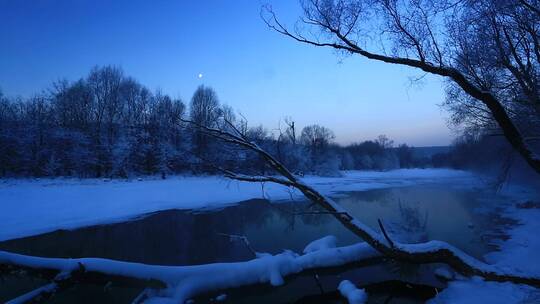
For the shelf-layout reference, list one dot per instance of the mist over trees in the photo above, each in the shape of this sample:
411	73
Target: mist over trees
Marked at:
107	124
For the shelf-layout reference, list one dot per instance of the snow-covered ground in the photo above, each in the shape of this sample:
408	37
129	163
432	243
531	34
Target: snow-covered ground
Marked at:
476	291
522	249
518	254
29	207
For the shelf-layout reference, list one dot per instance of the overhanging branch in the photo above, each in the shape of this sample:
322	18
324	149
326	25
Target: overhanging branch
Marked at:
429	252
495	106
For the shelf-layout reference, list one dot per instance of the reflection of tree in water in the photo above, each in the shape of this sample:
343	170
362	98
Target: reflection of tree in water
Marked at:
174	237
402	215
182	237
301	212
411	227
382	197
169	237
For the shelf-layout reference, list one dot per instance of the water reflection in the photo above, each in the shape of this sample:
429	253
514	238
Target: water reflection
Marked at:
449	214
176	237
170	237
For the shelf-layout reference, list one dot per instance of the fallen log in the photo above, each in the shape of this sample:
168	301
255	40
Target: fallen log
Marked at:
181	282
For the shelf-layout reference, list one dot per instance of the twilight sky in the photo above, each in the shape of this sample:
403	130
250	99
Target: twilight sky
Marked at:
265	76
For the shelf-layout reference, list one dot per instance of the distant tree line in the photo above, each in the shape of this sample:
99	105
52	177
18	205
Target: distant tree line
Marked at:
103	125
109	125
485	153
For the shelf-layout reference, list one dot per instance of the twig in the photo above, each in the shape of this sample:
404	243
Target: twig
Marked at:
316	277
385	234
242	238
143	296
61	282
37	295
322	212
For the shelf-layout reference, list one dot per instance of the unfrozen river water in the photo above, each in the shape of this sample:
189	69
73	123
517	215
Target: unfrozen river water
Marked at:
180	237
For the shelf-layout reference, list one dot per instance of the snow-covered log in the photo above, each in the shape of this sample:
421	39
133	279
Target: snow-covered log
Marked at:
351	293
180	283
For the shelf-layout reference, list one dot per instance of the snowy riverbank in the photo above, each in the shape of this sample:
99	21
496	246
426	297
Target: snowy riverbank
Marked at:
29	207
518	253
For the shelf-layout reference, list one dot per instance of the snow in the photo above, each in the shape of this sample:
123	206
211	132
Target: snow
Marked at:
185	282
518	254
221	297
351	293
29	207
475	290
444	273
322	243
520	251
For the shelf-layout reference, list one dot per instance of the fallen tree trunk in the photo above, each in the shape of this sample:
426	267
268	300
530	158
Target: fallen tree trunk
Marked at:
179	283
428	252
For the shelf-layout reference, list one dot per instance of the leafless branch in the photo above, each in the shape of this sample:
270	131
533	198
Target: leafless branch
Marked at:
429	252
241	238
384	233
339	40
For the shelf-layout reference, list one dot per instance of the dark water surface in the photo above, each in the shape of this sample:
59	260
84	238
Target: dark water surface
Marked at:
179	237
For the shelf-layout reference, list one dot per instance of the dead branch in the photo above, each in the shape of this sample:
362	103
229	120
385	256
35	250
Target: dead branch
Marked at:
155	279
38	295
243	239
65	273
384	233
320	213
340	41
428	252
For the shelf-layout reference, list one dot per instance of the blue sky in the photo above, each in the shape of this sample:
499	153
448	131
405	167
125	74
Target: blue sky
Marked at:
265	76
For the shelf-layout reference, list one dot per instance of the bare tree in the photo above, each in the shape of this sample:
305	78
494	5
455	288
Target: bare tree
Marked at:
317	140
316	137
287	148
488	50
105	84
204	110
103	124
384	142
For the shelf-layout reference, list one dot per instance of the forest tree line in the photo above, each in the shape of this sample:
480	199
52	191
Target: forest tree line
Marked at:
109	125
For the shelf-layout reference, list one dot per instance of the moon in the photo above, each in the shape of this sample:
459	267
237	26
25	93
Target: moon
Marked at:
200	75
